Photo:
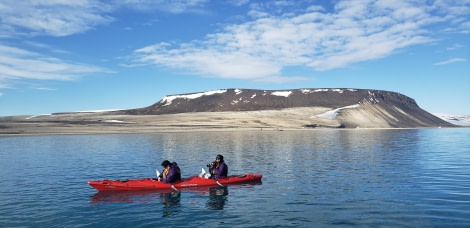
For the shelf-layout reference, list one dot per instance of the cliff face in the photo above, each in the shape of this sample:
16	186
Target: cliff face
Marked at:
347	107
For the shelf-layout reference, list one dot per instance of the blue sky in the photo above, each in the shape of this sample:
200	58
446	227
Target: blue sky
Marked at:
80	55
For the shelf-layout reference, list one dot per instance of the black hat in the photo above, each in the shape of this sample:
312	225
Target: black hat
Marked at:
220	157
166	163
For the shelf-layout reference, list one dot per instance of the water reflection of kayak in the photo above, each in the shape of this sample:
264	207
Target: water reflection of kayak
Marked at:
153	184
215	192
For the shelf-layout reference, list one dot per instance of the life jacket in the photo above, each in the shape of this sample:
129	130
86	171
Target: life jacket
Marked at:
165	172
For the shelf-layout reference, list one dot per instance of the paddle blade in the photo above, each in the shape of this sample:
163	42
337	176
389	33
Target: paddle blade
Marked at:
156	172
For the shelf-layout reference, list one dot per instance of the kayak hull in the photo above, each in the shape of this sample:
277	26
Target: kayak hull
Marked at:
153	184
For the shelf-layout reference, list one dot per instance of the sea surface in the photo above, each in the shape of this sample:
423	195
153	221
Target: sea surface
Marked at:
312	178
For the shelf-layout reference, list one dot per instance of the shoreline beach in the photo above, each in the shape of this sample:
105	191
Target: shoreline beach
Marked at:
108	123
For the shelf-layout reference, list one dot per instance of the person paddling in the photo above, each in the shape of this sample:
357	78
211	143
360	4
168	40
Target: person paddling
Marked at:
171	172
218	169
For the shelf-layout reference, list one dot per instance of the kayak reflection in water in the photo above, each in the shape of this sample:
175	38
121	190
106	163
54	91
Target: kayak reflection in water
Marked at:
217	198
171	202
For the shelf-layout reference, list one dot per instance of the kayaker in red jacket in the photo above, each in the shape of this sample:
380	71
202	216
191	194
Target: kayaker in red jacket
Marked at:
218	169
171	172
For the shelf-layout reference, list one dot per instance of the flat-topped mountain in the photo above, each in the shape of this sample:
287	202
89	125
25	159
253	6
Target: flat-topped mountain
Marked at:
243	109
343	107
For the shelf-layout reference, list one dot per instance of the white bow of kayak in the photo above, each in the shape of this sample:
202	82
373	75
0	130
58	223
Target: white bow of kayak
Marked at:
203	171
204	174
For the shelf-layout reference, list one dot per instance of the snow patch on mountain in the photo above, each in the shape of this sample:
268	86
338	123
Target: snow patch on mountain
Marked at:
333	113
281	93
307	91
169	99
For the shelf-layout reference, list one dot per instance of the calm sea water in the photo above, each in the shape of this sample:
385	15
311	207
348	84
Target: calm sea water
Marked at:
318	178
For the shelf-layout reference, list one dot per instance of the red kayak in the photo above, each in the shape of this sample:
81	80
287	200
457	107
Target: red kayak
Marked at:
153	184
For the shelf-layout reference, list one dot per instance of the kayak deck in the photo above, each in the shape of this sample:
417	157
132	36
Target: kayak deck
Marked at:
153	184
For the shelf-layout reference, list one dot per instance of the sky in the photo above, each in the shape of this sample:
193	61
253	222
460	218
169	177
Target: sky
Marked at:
83	55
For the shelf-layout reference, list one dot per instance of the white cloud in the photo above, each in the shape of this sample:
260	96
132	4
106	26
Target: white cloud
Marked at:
64	18
55	18
28	18
465	27
281	34
16	63
238	2
174	6
454	60
238	64
260	49
455	47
